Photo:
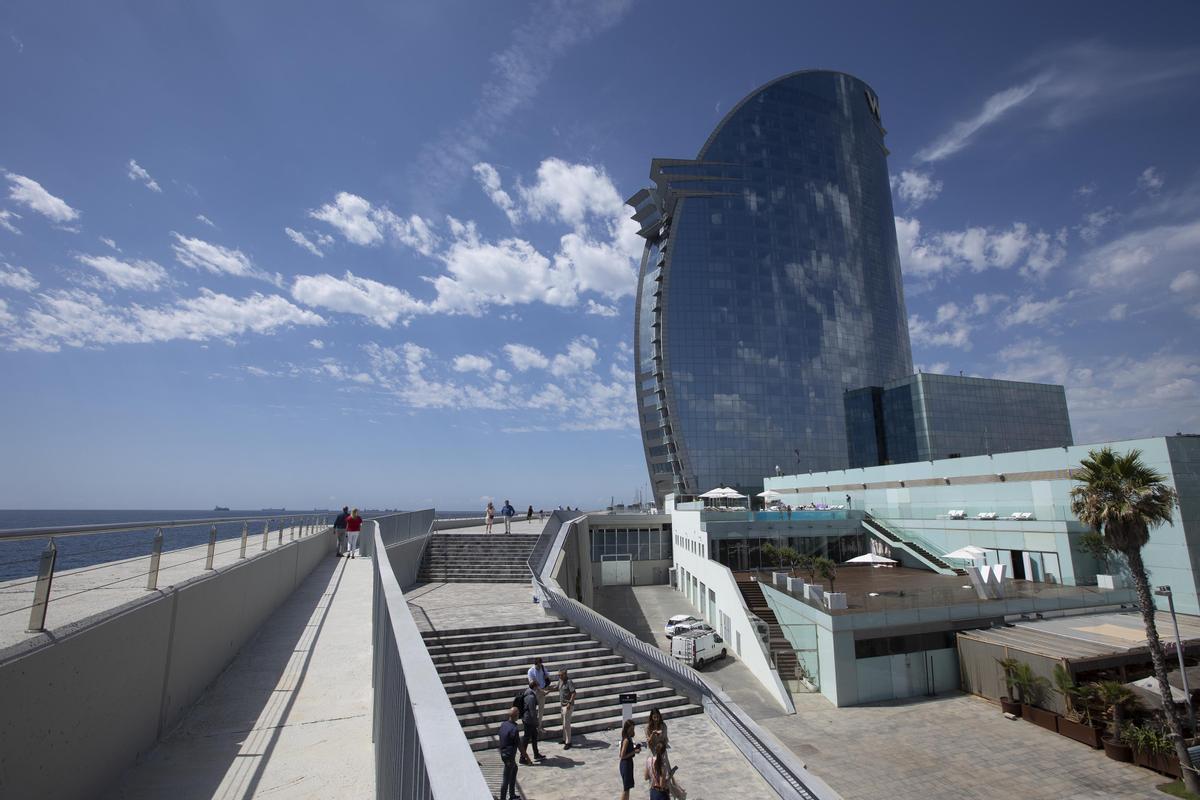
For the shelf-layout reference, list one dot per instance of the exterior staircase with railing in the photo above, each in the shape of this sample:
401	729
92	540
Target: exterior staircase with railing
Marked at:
782	655
919	551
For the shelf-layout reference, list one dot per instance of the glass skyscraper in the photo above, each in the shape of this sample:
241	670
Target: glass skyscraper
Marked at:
769	285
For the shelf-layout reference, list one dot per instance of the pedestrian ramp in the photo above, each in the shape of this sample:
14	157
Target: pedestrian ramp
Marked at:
483	669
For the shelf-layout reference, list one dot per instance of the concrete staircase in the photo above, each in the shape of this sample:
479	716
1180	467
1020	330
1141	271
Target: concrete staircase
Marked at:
782	654
477	558
921	553
483	669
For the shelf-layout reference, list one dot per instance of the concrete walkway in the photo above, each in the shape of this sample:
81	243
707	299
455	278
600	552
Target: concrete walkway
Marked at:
291	716
955	745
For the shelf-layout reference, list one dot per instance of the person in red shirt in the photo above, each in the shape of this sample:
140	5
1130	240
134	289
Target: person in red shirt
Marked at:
353	526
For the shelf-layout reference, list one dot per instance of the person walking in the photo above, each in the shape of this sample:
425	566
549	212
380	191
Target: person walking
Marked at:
539	679
353	526
508	512
529	514
491	515
510	739
847	501
339	528
529	716
566	700
658	772
625	755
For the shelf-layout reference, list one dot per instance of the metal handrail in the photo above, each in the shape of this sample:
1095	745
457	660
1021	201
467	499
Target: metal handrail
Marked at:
789	780
19	534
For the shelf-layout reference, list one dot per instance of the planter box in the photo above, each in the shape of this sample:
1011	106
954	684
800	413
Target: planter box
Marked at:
1080	732
1040	716
1166	764
1009	706
1117	751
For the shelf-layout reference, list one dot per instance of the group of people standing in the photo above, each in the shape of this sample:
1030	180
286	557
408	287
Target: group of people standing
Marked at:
508	512
347	527
528	709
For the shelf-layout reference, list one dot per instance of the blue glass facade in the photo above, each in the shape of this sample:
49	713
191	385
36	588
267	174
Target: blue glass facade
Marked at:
925	417
770	285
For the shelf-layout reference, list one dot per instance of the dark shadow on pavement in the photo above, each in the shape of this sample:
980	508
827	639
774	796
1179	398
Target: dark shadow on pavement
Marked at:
619	604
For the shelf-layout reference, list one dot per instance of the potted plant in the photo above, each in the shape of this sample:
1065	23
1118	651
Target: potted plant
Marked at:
1153	749
826	568
1094	545
1117	700
1008	704
1033	692
1077	722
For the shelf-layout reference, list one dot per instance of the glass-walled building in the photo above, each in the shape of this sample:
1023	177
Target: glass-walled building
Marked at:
925	417
769	285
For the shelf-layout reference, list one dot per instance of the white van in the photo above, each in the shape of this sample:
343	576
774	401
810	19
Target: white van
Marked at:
697	648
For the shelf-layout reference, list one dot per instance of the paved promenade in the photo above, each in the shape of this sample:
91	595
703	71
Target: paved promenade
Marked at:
956	745
290	717
80	593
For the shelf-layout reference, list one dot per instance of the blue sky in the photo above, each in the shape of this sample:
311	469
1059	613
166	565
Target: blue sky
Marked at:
305	254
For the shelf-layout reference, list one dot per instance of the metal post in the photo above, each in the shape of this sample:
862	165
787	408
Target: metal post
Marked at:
41	591
1179	652
281	531
295	524
266	531
155	556
245	534
212	547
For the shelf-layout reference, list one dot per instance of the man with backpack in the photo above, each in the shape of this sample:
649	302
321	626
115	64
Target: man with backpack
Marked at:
339	527
529	715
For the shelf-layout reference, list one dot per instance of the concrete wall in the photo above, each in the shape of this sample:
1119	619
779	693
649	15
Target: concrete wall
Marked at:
718	580
573	567
80	709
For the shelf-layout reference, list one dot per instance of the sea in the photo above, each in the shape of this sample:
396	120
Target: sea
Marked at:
20	559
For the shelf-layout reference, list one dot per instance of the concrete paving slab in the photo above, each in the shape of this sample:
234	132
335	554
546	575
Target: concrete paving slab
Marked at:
290	717
450	606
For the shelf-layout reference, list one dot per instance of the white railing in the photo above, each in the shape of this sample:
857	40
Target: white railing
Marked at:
777	765
421	752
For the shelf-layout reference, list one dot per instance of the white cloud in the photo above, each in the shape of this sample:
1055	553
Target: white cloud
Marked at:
1150	181
1118	312
1095	222
1155	253
601	310
110	243
303	241
361	223
993	109
596	266
489	179
137	173
1028	311
523	357
1185	282
502	375
983	303
30	194
199	254
571	193
206	220
1086	190
916	188
136	274
316	344
6	218
382	304
7	320
17	278
579	357
76	318
508	272
950	332
1035	253
472	363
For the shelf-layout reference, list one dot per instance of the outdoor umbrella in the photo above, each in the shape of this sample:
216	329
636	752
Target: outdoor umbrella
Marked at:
871	558
968	553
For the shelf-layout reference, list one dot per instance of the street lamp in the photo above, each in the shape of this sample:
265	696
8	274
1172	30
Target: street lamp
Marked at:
1165	591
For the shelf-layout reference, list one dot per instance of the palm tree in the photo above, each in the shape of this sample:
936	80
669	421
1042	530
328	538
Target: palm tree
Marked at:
1122	498
1118	700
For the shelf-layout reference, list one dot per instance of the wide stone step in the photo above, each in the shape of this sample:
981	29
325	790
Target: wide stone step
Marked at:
508	683
632	680
604	696
523	654
521	661
448	634
450	676
613	722
546	641
476	725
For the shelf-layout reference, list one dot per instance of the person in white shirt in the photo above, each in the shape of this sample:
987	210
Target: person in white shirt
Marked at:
538	676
